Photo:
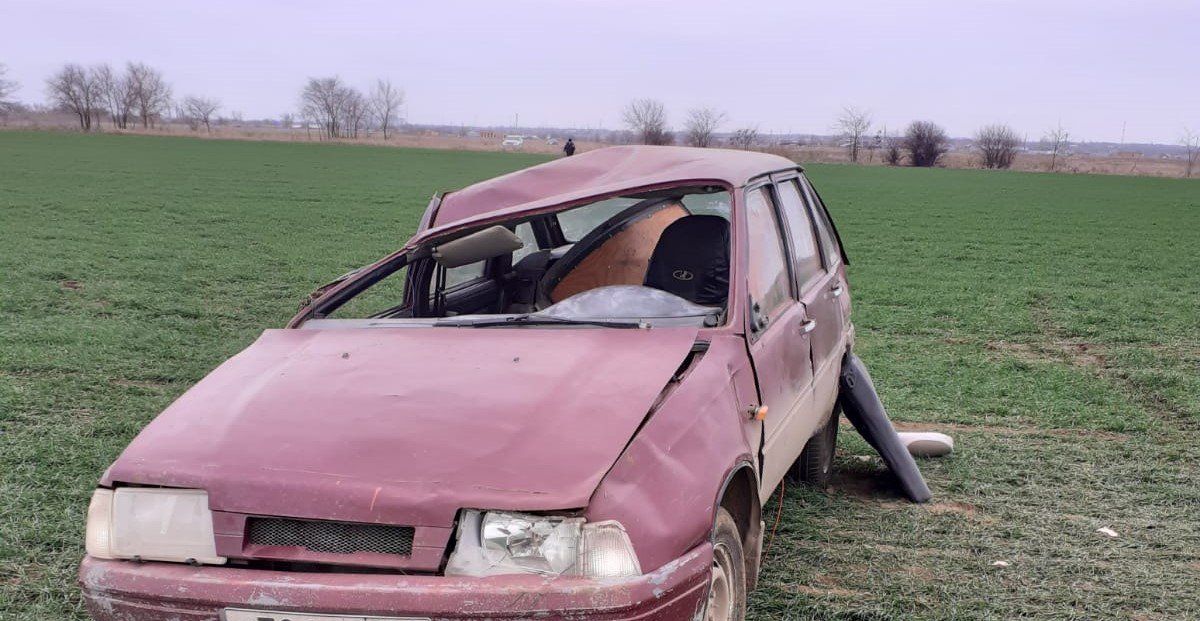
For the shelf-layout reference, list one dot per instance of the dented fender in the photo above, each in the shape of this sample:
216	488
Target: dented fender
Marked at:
666	486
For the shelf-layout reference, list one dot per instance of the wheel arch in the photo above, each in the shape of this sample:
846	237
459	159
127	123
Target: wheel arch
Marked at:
739	496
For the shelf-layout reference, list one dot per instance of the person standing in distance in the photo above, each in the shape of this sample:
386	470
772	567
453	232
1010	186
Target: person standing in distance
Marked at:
569	148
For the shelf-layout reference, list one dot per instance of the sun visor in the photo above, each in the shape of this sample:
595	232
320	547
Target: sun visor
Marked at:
478	246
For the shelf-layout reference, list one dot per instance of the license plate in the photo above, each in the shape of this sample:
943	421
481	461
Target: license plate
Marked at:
237	614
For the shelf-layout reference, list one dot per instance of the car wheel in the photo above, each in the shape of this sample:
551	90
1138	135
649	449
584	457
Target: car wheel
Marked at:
727	590
815	465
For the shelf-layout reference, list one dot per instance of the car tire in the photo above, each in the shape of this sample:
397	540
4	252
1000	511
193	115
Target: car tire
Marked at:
815	465
727	587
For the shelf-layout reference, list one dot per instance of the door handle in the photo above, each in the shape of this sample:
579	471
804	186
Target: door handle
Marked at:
837	289
808	326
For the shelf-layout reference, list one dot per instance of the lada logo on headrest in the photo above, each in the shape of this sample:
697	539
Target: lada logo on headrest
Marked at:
682	275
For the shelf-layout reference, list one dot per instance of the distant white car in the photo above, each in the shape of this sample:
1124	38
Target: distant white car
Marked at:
513	141
552	141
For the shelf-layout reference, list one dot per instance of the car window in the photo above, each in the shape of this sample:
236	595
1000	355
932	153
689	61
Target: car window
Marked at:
829	245
715	204
383	295
805	258
525	232
577	222
464	273
768	275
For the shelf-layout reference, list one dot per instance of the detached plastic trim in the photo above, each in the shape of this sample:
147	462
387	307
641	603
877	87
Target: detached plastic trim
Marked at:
865	411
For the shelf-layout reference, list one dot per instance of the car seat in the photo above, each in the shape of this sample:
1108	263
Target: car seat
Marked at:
691	260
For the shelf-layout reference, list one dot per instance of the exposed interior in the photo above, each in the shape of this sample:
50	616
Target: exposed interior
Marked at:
649	256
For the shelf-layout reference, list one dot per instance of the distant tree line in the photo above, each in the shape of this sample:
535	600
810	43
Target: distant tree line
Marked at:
647	120
140	95
342	111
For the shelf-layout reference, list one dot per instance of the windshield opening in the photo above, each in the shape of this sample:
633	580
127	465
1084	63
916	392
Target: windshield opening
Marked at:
650	259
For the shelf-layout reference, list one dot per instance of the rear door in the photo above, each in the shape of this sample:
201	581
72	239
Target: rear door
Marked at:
778	346
831	249
820	288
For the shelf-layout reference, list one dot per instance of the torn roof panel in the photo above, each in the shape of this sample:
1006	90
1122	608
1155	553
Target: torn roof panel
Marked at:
604	171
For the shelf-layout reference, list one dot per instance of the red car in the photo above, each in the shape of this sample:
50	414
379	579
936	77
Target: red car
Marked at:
567	396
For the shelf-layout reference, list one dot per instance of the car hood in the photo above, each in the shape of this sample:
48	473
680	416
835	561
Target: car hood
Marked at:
408	425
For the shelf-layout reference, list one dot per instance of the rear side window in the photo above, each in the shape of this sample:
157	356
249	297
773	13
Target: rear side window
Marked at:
829	244
768	275
575	223
525	231
464	273
805	257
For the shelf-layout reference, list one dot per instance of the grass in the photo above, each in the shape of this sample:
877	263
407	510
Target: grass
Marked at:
1051	323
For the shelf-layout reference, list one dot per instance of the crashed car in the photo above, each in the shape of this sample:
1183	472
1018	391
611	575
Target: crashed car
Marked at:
567	396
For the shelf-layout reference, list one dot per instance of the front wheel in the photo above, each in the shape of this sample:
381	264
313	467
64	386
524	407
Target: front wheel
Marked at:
815	465
727	591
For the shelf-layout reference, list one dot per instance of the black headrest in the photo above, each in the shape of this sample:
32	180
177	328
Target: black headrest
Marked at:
691	260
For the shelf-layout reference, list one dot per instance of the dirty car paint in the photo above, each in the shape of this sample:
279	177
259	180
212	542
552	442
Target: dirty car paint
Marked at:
407	426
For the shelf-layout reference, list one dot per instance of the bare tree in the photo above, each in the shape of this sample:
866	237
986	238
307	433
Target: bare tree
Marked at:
1059	139
1190	142
926	143
998	145
200	111
854	124
322	101
874	144
648	119
149	91
701	124
893	155
356	108
744	138
7	88
385	102
73	88
114	94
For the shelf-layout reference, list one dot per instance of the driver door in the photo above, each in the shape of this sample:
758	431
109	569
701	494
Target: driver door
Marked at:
778	344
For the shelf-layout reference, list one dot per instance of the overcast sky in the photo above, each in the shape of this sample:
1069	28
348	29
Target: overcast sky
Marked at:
785	66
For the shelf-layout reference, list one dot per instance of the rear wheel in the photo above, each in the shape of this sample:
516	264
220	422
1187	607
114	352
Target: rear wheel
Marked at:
727	591
815	465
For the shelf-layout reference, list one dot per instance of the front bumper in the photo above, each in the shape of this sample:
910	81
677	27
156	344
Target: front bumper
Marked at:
129	591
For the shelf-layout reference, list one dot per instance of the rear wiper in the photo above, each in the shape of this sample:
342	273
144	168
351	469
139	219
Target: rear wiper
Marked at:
538	320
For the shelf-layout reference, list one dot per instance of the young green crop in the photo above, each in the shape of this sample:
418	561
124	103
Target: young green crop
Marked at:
1051	323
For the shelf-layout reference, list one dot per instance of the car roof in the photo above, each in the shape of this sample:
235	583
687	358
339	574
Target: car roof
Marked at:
602	172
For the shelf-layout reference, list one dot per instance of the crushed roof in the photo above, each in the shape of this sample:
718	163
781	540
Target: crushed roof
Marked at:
605	171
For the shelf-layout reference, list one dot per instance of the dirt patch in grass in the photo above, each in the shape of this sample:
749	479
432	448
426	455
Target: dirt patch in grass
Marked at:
865	486
965	509
921	573
150	384
1086	355
70	284
826	587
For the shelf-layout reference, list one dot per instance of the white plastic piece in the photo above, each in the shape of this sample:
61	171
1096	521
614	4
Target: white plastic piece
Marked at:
606	552
1000	563
1108	532
158	524
926	443
99	525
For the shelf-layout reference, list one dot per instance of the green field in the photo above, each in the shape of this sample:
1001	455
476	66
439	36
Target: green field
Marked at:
1051	323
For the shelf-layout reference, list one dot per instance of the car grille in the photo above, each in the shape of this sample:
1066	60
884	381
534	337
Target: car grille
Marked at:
331	537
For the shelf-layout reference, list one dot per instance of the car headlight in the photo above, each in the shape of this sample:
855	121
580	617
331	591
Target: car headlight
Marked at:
152	524
497	543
